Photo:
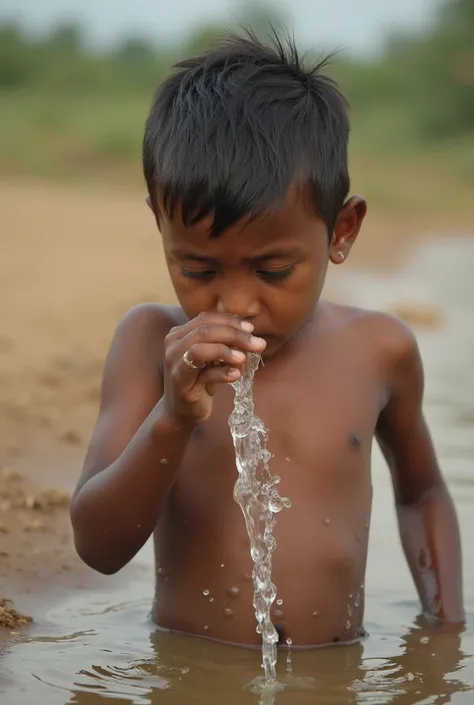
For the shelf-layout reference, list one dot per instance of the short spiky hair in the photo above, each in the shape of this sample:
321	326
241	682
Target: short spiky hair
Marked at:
232	129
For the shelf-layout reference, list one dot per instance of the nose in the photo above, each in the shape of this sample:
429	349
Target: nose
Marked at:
239	301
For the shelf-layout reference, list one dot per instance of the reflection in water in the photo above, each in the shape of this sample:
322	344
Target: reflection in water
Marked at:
425	670
92	654
180	669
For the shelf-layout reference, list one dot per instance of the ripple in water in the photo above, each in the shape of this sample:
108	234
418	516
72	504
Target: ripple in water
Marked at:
255	492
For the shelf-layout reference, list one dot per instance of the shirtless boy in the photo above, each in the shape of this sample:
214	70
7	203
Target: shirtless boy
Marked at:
245	159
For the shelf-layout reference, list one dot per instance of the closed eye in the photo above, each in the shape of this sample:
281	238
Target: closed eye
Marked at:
200	275
275	275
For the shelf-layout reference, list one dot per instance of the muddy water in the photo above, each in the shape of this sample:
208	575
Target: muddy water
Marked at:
101	647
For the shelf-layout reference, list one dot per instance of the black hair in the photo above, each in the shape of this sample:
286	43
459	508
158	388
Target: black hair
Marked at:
230	130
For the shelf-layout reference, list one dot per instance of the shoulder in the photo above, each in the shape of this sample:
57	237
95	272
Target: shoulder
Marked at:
156	318
387	341
144	327
137	345
386	334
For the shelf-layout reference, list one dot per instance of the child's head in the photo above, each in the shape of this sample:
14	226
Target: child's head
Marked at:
245	156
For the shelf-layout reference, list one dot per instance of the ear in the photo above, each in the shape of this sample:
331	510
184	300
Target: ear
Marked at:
346	229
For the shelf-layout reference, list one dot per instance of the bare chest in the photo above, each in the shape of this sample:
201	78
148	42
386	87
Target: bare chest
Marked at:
320	422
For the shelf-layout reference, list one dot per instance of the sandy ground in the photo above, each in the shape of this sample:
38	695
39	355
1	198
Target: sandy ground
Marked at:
72	261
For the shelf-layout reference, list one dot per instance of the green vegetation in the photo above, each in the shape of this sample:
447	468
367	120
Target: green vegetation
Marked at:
68	112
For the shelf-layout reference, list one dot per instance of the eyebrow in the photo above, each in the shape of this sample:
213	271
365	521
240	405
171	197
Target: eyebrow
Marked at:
267	256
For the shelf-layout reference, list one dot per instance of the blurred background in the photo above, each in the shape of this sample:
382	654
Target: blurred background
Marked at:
79	246
76	80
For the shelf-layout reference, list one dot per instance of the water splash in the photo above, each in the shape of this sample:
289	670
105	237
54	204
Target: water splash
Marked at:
255	492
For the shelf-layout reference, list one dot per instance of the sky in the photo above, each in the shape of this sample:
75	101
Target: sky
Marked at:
353	25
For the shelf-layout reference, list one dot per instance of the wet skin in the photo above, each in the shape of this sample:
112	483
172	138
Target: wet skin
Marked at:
161	459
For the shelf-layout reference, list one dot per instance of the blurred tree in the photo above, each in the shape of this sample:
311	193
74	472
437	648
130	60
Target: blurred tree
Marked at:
258	15
444	72
15	64
67	37
262	16
135	51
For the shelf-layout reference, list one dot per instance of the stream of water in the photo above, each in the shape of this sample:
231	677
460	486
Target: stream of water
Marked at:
256	493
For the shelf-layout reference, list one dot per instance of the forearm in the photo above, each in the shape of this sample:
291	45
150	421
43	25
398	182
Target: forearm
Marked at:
114	513
430	537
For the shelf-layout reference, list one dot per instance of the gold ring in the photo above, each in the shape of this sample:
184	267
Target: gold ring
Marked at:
189	363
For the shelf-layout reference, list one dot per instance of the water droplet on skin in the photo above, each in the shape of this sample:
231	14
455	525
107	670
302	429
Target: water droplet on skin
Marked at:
327	522
206	627
228	612
234	592
289	642
279	602
160	571
259	629
348	625
206	593
211	599
163	461
315	614
222	565
424	640
358	538
350	596
410	677
279	613
287	460
349	610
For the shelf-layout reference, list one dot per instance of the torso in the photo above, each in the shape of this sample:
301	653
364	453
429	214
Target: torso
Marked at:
321	404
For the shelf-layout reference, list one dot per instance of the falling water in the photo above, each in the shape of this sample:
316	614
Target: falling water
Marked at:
255	492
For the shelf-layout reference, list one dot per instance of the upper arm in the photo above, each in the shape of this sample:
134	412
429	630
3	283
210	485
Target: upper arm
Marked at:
131	385
402	431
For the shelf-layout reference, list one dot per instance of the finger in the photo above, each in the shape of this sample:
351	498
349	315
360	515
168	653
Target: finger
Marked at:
202	354
198	358
214	318
212	378
227	335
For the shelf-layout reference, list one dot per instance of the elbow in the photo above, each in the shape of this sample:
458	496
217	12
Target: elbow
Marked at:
94	557
93	553
420	496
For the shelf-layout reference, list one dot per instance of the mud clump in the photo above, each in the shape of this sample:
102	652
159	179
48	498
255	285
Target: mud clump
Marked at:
10	618
15	493
47	500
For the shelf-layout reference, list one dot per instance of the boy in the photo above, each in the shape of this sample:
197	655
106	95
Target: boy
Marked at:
245	159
